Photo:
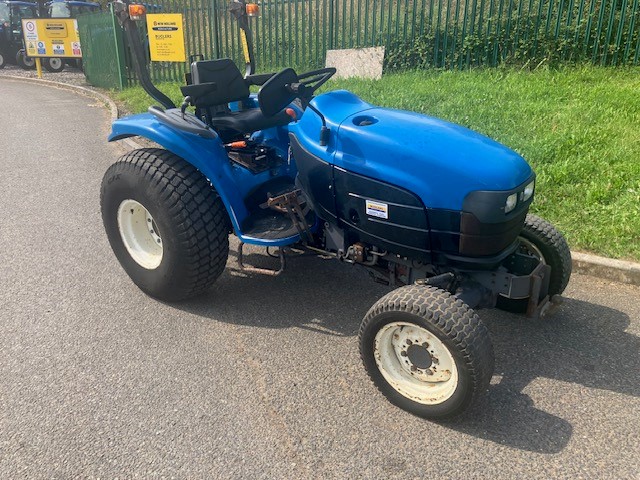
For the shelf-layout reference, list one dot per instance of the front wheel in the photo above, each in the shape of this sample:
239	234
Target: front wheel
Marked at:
166	224
426	351
53	64
540	239
543	240
27	63
2	61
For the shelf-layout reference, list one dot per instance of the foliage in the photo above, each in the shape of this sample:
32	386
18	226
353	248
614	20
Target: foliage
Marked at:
598	32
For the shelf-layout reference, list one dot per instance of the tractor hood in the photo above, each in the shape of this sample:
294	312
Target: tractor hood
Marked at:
439	161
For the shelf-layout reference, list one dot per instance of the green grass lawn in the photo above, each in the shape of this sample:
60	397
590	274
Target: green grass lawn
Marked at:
579	128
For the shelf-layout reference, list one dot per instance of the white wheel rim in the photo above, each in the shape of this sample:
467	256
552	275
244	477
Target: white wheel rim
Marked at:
140	234
55	63
415	363
531	249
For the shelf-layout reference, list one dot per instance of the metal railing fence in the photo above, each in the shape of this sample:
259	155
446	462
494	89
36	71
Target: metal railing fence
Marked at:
102	50
453	34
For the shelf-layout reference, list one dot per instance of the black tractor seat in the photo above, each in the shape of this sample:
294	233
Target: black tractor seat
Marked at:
216	83
247	121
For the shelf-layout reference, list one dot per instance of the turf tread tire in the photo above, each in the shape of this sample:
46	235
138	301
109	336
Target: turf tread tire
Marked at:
556	253
189	206
449	318
554	247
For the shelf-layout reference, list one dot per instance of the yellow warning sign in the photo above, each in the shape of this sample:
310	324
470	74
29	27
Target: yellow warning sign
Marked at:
166	37
51	37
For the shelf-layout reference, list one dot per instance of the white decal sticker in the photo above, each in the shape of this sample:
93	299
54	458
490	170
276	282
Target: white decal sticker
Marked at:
377	209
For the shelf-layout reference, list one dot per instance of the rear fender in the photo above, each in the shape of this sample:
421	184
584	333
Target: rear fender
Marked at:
206	154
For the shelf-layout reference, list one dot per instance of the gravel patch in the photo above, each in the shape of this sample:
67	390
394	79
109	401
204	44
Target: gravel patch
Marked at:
69	75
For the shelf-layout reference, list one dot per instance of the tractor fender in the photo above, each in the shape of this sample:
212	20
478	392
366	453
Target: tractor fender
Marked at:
206	154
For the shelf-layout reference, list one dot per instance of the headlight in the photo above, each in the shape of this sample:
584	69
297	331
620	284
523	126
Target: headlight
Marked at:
511	202
528	191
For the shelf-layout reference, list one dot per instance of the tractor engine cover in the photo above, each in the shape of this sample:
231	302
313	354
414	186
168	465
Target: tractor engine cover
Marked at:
406	181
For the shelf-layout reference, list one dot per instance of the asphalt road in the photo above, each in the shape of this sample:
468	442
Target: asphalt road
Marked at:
261	378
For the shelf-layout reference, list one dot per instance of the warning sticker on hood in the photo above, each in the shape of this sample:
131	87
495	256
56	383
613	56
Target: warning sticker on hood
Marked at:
377	209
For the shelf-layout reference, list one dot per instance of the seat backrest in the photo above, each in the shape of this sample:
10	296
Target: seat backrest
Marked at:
231	85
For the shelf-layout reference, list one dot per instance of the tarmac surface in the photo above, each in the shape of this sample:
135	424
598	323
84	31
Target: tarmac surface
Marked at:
260	378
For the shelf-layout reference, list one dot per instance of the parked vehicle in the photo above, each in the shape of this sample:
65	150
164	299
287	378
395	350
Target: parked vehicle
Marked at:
70	9
435	211
67	9
11	42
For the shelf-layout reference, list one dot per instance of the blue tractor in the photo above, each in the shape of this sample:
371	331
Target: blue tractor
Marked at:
435	211
70	8
11	43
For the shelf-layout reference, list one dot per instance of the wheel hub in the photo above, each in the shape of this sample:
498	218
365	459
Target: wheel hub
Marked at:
529	248
153	229
419	356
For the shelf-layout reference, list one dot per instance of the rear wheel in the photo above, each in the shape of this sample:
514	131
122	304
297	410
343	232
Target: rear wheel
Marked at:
166	224
540	239
27	63
2	61
426	351
53	64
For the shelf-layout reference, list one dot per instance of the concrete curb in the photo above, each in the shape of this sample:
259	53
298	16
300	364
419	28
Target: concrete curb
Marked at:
606	268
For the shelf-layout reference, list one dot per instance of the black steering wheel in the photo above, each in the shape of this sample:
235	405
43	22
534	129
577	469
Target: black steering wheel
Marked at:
313	80
285	86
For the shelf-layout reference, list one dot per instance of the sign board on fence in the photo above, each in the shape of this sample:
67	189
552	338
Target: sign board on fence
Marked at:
51	37
166	37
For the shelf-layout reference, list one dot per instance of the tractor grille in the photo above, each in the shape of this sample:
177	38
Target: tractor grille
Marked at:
483	239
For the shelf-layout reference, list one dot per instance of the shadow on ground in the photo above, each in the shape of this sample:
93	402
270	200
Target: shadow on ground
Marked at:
583	343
